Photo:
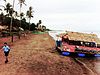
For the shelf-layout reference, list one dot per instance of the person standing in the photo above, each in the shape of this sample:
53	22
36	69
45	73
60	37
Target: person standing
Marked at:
59	41
6	50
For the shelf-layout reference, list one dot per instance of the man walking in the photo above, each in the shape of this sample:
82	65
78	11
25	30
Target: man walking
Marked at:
6	49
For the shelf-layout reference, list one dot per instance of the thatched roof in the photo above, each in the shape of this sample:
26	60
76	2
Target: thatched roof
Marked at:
3	27
77	36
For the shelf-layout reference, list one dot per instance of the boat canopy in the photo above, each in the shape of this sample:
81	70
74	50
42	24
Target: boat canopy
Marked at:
85	37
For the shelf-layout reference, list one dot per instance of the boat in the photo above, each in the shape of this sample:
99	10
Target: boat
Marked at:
78	44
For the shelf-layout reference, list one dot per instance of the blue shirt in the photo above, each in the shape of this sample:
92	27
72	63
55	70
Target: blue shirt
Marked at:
6	48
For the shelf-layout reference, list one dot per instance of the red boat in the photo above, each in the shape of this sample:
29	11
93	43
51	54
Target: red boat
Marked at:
80	44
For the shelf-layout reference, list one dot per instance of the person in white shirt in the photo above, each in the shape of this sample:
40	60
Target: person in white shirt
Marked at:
6	50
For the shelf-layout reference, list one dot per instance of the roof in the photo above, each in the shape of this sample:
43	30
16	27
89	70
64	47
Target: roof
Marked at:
77	36
3	27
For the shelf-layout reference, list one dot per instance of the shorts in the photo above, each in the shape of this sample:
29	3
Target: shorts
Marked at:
6	53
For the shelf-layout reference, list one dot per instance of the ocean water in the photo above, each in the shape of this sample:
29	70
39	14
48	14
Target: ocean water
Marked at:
55	32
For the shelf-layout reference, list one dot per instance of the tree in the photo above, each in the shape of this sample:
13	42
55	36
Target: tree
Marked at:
29	15
40	22
7	21
15	14
24	23
11	11
11	20
8	8
0	9
5	0
21	2
1	17
38	26
21	15
32	27
43	28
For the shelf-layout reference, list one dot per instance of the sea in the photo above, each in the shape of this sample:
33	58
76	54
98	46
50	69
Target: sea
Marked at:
53	33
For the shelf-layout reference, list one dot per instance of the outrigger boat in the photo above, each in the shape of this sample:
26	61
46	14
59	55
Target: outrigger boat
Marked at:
78	44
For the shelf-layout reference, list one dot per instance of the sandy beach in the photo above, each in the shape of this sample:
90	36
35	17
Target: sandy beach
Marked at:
34	55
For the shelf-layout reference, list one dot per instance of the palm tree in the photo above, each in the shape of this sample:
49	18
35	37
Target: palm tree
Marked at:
12	9
21	2
5	0
2	6
0	10
21	15
29	15
1	17
38	26
8	8
15	14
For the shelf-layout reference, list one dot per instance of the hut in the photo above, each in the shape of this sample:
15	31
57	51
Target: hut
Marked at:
1	28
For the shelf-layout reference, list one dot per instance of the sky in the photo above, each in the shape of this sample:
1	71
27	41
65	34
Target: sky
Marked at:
74	15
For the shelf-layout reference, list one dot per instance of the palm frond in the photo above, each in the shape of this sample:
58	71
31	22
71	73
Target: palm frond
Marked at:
1	9
5	0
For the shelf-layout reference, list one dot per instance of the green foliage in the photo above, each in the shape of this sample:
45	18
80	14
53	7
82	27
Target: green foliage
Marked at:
24	24
6	21
32	27
8	8
21	15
